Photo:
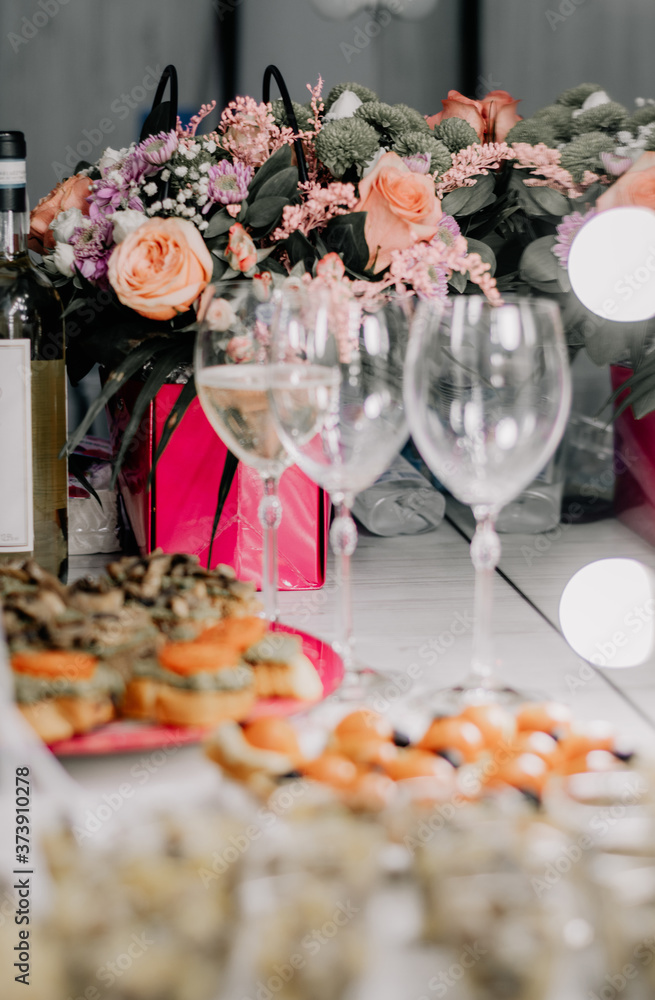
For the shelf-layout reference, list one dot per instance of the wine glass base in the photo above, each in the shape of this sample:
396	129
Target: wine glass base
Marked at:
452	701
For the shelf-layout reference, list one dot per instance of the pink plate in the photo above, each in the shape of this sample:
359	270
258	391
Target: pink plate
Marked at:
127	735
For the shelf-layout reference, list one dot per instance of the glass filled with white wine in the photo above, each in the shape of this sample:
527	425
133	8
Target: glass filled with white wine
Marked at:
231	377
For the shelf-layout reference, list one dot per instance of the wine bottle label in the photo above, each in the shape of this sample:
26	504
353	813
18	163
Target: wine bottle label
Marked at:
16	496
12	173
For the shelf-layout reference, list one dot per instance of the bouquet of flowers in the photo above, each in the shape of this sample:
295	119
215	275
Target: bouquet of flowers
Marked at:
372	197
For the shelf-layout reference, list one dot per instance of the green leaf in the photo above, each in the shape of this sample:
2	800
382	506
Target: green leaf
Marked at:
457	281
300	250
345	236
538	262
218	224
283	184
173	420
280	160
552	202
485	251
266	210
467	200
646	404
163	366
229	471
76	466
131	364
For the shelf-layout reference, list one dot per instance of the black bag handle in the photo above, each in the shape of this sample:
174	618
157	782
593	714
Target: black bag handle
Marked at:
273	71
163	114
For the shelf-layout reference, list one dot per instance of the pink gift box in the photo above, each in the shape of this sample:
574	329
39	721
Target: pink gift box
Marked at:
178	513
634	466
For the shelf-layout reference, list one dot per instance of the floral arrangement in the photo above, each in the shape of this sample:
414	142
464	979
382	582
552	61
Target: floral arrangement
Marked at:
471	198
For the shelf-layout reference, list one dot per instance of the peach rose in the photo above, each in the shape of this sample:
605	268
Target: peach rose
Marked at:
241	253
492	117
71	193
161	268
635	187
401	207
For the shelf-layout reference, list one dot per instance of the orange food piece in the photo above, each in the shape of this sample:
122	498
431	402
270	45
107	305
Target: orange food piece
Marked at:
364	723
539	743
331	769
414	763
239	633
494	722
454	734
585	737
275	734
371	790
55	664
365	749
526	771
595	760
193	657
545	716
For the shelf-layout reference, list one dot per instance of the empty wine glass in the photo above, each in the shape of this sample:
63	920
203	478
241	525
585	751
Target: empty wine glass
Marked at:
336	387
230	372
488	392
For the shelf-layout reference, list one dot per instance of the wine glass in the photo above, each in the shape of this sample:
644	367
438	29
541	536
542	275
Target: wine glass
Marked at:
230	372
335	382
488	392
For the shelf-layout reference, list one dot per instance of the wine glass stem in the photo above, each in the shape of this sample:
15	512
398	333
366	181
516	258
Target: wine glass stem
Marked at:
485	555
270	515
343	537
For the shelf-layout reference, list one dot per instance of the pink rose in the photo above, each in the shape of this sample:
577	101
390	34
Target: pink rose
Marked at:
241	253
71	193
161	268
492	117
331	267
635	187
401	208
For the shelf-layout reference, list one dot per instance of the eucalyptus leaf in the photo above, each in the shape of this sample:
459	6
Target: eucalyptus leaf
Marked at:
467	200
218	224
283	184
280	160
539	263
266	210
345	236
457	281
552	202
485	251
300	250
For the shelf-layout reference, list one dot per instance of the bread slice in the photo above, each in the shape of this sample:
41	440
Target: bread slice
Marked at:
57	719
282	670
177	707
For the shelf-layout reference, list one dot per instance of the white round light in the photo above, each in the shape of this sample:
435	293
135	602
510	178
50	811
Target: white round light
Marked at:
612	264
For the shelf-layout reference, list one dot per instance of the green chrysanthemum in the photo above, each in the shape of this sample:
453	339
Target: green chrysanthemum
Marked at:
418	142
388	121
609	117
456	134
346	143
303	113
642	116
415	120
363	93
583	153
558	118
576	96
533	131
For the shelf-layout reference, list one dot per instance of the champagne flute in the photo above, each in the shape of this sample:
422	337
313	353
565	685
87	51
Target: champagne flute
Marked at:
488	393
230	372
335	382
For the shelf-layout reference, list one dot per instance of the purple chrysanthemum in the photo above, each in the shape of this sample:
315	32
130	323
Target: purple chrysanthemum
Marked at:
105	199
567	231
136	167
228	183
418	163
92	247
448	230
158	149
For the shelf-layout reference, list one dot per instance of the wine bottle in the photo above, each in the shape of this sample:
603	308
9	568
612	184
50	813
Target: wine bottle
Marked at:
33	479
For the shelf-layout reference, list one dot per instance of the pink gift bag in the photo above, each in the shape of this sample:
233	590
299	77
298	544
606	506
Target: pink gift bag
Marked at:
634	466
178	513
